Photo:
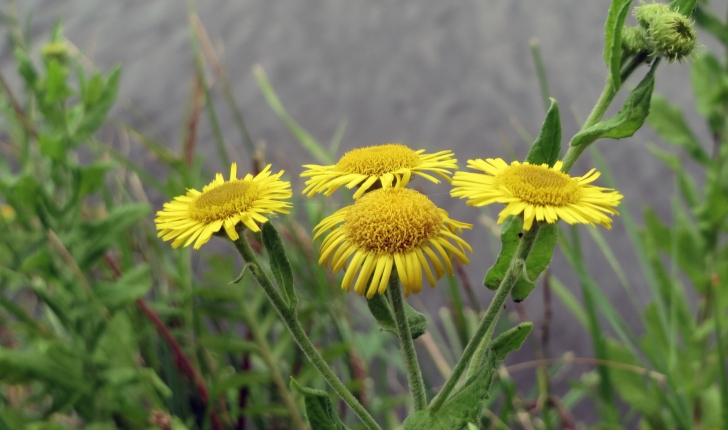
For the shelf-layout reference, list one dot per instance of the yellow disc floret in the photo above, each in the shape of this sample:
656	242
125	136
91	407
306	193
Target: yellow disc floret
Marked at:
538	192
378	160
380	166
393	228
224	201
221	204
538	185
392	222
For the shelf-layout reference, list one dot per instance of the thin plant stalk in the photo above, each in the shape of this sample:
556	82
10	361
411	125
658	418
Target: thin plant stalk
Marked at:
491	314
414	374
290	319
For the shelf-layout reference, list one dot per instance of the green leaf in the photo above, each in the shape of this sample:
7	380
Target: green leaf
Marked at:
707	20
56	88
279	263
319	409
616	17
134	284
510	340
98	108
95	237
537	261
91	177
307	141
26	68
668	122
243	379
546	148
710	86
685	7
686	185
53	146
629	119
461	408
635	389
382	312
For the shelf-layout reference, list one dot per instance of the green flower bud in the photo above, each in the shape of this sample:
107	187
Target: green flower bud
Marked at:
55	50
634	40
647	14
666	33
673	36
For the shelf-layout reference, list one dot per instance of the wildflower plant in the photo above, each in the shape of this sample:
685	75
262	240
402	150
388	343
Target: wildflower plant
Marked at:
388	243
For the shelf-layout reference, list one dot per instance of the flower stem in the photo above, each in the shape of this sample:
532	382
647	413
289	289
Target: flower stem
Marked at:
414	374
491	314
288	315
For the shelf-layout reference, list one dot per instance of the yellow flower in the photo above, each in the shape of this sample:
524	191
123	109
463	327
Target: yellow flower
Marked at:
391	228
540	192
7	212
195	216
380	163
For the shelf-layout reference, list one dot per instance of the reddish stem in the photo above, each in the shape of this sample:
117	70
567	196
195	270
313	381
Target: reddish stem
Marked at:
183	363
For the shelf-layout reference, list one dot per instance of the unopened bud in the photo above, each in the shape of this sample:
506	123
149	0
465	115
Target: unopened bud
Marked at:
665	33
634	40
55	50
673	36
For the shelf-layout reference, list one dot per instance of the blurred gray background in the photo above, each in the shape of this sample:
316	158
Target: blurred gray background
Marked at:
428	73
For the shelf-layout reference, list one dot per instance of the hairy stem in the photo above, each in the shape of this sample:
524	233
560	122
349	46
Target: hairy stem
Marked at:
288	315
414	374
491	314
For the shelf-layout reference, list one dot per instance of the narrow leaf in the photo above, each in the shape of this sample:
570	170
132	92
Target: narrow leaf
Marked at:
685	7
616	17
279	263
319	409
382	312
670	125
510	340
537	260
547	146
463	407
629	119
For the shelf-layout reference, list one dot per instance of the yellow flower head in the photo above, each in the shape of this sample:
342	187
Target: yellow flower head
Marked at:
386	228
540	192
7	212
195	216
380	163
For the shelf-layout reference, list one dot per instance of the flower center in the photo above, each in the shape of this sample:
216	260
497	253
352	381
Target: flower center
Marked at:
224	201
539	185
392	220
378	160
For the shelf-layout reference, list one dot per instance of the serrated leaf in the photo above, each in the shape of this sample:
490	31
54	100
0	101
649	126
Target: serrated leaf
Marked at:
234	382
319	409
537	261
510	340
616	17
461	408
668	122
383	314
134	284
634	388
629	119
95	113
547	146
279	264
